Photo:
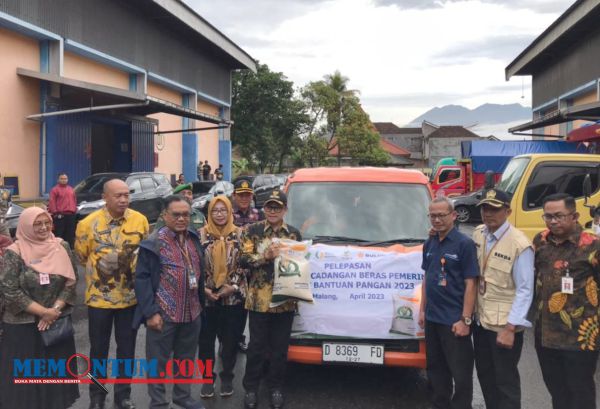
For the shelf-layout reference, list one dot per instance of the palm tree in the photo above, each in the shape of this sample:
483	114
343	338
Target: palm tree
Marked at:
339	85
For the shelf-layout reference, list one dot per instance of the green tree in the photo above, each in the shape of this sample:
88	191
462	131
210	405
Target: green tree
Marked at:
268	119
325	101
240	167
314	151
337	117
358	139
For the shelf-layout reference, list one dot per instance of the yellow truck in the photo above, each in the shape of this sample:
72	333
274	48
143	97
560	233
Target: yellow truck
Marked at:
530	178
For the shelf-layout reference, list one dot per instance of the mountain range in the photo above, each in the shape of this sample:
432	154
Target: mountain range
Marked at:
484	114
487	119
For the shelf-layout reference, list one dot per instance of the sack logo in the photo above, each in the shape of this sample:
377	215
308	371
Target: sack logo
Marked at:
288	268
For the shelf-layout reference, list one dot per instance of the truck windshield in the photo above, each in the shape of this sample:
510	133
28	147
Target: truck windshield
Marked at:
359	211
512	175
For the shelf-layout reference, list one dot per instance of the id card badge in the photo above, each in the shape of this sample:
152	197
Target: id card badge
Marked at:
44	279
192	280
567	285
442	282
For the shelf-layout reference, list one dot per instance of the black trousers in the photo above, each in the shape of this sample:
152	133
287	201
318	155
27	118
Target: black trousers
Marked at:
269	334
449	358
180	339
569	377
100	321
242	326
64	227
224	321
497	369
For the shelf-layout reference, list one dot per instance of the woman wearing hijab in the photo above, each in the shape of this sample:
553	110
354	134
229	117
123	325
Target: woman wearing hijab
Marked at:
37	280
225	288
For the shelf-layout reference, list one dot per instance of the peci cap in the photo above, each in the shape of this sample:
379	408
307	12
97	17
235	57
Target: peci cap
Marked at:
184	186
495	198
277	196
242	186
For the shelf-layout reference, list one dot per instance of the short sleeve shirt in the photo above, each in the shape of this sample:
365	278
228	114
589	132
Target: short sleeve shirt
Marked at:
445	303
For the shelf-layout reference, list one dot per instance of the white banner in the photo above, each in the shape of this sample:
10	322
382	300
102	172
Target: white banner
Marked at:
364	293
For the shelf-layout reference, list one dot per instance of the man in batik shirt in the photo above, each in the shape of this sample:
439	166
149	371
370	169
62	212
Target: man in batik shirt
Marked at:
565	306
270	328
106	244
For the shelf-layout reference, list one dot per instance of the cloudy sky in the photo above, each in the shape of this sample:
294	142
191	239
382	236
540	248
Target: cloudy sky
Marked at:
405	56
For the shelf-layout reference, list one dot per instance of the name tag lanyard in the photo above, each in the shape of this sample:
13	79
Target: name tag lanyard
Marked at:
442	280
189	269
486	258
566	281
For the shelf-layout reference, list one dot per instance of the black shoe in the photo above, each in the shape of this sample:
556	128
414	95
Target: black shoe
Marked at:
226	389
125	404
250	400
189	404
276	399
97	405
207	390
242	346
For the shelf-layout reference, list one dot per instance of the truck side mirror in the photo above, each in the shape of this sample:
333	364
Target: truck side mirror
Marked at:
587	186
489	180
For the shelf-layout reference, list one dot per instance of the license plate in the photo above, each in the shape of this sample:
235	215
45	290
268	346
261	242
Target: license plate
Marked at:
353	353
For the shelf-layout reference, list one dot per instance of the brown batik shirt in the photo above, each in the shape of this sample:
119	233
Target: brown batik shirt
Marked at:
566	321
255	240
235	274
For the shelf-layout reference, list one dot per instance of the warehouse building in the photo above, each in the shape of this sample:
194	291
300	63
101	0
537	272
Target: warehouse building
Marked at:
108	85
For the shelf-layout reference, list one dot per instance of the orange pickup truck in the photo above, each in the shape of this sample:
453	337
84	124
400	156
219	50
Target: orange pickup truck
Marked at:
371	208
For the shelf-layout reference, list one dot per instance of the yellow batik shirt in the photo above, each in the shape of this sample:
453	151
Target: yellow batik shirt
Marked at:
107	248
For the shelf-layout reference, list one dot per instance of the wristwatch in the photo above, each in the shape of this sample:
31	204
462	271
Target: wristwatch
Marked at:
467	320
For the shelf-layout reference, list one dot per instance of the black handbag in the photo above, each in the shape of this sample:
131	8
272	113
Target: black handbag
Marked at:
61	330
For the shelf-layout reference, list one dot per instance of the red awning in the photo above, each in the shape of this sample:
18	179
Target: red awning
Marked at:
584	134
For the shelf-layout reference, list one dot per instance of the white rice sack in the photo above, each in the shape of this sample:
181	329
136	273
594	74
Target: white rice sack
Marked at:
406	314
292	273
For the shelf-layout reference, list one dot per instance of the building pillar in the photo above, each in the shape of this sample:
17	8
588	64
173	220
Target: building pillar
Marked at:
225	147
189	143
225	158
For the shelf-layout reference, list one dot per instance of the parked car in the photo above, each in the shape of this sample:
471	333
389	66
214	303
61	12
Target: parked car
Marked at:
249	178
282	177
12	217
147	189
221	187
202	187
466	207
263	185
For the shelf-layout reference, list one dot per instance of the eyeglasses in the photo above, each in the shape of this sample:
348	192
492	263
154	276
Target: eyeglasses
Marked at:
39	225
559	217
273	209
219	211
182	215
439	215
